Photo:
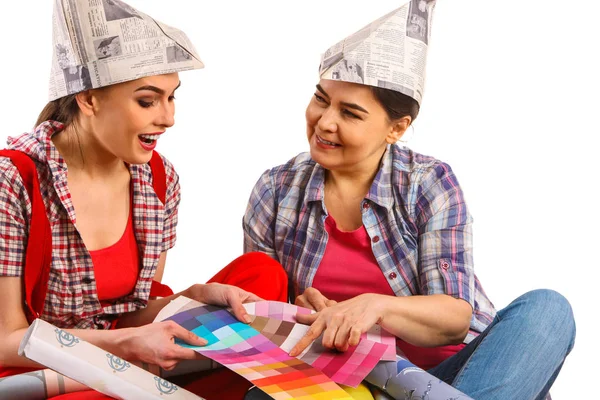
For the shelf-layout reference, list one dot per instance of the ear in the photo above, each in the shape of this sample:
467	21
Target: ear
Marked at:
87	102
398	128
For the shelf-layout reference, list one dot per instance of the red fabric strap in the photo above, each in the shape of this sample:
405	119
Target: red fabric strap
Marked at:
38	256
159	177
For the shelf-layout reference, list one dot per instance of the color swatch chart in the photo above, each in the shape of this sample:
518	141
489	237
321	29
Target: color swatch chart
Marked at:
247	352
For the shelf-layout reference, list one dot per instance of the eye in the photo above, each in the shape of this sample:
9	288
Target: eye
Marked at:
145	104
349	114
319	98
171	98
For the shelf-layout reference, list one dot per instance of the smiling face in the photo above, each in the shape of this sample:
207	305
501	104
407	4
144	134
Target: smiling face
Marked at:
348	129
126	119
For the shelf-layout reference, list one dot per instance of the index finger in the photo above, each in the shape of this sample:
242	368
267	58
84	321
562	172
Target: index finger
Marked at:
188	337
313	333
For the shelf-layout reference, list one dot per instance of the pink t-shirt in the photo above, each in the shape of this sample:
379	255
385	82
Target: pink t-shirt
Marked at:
349	269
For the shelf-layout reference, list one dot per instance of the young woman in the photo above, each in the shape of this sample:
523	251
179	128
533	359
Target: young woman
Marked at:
109	229
372	233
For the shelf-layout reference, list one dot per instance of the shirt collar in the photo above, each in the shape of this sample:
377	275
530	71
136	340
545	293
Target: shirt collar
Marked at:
380	192
38	144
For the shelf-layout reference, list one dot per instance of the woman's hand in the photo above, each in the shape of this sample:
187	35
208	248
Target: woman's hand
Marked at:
312	298
342	324
223	295
155	344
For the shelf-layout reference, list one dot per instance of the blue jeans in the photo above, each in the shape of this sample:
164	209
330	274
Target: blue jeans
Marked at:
519	355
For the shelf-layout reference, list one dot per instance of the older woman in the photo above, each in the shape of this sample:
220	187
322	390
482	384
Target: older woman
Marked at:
372	233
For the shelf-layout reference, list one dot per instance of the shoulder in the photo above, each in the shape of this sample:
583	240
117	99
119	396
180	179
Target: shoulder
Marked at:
418	168
172	178
170	173
12	189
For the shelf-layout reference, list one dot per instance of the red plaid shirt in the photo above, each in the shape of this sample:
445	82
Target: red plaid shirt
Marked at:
72	298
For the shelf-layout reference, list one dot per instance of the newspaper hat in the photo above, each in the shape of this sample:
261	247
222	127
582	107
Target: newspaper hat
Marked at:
103	42
390	52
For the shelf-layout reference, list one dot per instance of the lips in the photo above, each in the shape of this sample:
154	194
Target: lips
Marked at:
326	142
148	140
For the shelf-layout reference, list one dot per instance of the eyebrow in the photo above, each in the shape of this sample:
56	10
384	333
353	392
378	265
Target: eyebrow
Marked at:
155	89
345	104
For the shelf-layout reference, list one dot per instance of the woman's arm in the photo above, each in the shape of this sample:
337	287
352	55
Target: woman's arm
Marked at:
426	321
152	344
211	293
259	217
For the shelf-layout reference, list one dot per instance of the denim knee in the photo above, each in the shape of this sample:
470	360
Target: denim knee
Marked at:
550	314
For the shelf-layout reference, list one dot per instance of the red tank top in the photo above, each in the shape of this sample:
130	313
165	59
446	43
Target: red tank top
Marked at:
116	267
349	268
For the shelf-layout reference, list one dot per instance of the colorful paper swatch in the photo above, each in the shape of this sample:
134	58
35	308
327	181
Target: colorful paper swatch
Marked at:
347	368
244	350
287	312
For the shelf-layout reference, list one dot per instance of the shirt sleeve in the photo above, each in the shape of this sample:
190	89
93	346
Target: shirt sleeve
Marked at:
259	219
13	221
445	236
173	198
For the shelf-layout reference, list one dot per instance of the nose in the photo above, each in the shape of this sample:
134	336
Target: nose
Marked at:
327	121
166	116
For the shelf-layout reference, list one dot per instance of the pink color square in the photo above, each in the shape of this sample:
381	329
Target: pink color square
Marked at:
258	340
323	360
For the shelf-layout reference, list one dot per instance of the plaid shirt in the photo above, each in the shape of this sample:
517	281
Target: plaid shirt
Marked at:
414	213
72	298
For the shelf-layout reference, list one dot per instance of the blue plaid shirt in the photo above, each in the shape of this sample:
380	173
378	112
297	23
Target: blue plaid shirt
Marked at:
414	213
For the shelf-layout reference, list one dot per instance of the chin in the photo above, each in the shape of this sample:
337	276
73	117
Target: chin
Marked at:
137	159
320	159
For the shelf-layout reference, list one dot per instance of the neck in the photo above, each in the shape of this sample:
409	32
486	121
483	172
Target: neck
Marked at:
84	155
355	182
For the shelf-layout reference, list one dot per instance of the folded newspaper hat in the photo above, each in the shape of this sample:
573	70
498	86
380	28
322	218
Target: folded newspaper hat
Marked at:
390	52
103	42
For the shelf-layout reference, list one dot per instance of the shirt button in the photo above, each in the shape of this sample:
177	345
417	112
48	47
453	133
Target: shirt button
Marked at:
445	265
87	280
366	205
376	239
392	275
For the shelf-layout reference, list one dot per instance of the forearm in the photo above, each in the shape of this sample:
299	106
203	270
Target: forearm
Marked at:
426	321
147	314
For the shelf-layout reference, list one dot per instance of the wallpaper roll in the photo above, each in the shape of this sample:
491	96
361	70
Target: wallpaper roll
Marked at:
94	367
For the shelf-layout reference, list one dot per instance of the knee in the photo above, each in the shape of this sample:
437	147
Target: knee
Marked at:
267	265
551	313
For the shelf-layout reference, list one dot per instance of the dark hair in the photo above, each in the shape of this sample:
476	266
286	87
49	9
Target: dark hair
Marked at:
63	110
396	104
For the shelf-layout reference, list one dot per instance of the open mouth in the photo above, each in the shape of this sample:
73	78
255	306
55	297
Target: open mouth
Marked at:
326	142
149	139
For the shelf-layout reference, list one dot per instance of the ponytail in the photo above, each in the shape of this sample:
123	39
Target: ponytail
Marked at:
62	110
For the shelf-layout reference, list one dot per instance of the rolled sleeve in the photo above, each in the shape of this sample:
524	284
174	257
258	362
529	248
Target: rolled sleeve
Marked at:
445	236
172	201
259	218
13	221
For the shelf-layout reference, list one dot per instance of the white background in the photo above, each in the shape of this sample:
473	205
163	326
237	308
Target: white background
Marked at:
511	103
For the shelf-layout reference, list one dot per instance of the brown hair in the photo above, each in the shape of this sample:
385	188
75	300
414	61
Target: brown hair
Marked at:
396	104
63	110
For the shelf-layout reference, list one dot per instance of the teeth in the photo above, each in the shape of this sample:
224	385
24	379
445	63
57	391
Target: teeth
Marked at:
150	137
326	142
